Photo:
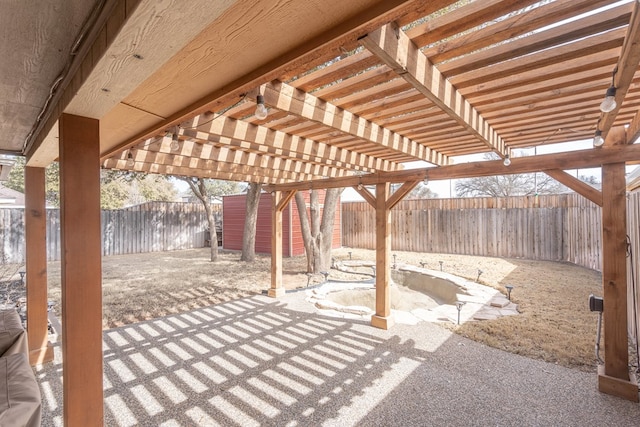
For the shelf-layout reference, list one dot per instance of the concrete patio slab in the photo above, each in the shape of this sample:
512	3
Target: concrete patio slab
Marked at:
260	361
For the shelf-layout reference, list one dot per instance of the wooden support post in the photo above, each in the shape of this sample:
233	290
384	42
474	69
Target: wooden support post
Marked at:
40	349
277	290
614	377
280	201
382	319
81	271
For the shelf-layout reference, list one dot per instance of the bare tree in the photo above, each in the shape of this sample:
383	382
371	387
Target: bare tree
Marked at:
317	230
508	185
199	189
422	191
251	217
205	190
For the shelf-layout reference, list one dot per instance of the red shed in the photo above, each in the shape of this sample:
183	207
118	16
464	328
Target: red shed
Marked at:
233	214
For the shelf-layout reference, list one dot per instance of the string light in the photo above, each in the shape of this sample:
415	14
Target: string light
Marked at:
130	162
598	140
175	142
261	110
507	160
609	103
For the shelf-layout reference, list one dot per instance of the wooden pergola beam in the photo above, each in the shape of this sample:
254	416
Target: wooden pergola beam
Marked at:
397	50
312	51
625	70
366	195
350	162
506	29
288	98
236	130
569	160
189	172
208	157
176	165
538	41
576	185
467	16
633	131
400	193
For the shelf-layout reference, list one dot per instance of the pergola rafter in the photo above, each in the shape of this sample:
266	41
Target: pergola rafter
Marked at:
625	69
514	26
208	157
232	132
287	98
397	50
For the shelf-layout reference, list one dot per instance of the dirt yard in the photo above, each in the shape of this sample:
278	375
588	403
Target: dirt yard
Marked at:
555	323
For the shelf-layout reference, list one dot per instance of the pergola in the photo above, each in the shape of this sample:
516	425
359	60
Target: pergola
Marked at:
354	89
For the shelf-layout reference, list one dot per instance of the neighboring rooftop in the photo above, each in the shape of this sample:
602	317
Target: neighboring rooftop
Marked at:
10	198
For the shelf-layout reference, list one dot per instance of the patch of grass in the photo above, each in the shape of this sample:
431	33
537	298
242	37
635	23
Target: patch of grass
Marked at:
555	323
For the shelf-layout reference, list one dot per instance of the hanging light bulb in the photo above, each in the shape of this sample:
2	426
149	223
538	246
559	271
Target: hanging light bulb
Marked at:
130	162
425	181
261	110
609	103
598	140
175	142
507	160
360	186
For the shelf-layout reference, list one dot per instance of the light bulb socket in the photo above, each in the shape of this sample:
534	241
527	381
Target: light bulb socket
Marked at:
260	100
130	161
611	91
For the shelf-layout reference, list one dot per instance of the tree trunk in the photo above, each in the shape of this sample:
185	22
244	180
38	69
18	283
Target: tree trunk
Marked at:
251	217
198	187
213	233
317	231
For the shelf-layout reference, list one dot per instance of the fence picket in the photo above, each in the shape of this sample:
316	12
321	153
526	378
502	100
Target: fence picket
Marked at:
145	228
564	227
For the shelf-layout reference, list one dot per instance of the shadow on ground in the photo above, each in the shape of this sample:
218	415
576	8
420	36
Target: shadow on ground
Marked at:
258	362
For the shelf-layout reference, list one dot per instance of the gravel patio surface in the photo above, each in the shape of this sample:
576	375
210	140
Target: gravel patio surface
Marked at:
260	361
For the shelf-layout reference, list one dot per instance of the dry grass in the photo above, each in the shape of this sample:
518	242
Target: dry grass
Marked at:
555	324
145	286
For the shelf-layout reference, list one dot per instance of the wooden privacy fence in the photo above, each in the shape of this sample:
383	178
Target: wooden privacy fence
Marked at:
150	227
562	227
